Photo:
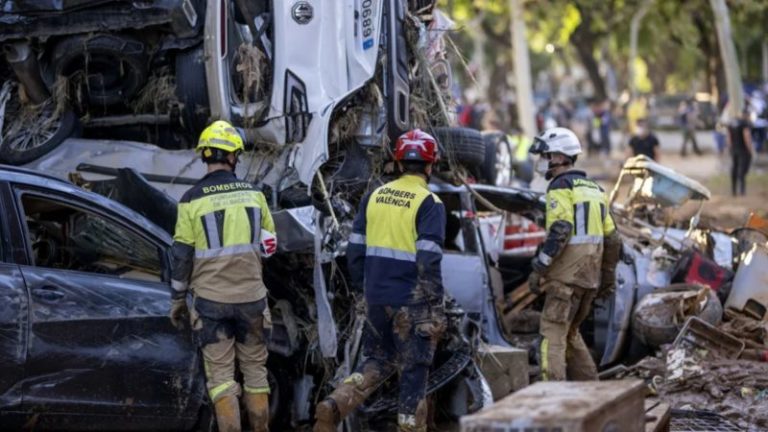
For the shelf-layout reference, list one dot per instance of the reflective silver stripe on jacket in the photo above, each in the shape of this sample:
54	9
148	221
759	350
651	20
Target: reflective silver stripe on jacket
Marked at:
179	286
211	228
225	251
356	238
581	218
429	246
585	239
383	252
545	259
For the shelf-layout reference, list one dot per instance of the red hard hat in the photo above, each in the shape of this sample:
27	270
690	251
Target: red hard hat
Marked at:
416	145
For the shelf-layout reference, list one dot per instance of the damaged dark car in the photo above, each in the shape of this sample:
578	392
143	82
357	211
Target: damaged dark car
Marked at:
86	334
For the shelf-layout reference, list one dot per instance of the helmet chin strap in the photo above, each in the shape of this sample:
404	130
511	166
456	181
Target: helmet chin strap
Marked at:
552	166
234	164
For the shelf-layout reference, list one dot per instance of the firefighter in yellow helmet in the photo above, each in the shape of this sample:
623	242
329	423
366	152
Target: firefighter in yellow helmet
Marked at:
223	230
577	260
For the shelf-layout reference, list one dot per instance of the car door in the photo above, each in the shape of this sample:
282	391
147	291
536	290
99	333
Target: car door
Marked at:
464	270
14	319
100	341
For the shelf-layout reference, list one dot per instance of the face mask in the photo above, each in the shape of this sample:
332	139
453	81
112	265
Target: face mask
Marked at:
641	131
542	166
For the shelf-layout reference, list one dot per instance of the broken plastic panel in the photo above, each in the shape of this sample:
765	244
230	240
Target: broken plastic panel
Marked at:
658	184
748	294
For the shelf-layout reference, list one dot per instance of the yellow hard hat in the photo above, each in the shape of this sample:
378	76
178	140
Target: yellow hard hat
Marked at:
220	135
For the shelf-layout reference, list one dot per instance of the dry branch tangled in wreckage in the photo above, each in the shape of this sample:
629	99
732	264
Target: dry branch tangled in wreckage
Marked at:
320	130
316	152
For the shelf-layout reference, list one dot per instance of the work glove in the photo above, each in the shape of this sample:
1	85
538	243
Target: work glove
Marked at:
607	288
537	266
179	312
612	253
438	320
534	282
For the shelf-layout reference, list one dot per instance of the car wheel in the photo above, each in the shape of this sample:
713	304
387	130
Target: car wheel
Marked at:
192	89
113	68
28	131
462	146
497	164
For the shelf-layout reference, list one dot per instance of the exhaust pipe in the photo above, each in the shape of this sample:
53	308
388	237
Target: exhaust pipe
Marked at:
27	70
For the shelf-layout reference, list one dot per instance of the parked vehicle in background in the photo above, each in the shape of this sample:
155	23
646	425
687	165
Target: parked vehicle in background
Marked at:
664	111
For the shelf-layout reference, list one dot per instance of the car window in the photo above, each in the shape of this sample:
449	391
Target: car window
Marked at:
63	236
459	227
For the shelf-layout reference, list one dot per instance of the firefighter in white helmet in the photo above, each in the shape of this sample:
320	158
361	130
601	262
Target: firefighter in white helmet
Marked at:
577	260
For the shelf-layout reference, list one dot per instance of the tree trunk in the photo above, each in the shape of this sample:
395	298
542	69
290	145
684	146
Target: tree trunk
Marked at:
584	40
523	86
764	52
634	29
728	55
714	62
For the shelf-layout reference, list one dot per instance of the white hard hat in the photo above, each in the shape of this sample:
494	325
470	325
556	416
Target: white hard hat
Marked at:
557	140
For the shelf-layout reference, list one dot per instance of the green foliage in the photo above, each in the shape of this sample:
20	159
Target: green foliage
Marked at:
677	44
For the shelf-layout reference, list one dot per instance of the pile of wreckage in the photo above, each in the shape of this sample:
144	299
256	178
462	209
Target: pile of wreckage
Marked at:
689	301
691	305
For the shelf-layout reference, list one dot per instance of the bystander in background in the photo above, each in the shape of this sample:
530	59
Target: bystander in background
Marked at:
687	119
643	141
740	144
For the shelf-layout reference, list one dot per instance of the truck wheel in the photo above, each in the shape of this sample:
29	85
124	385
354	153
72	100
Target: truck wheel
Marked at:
497	164
462	146
115	66
192	89
31	131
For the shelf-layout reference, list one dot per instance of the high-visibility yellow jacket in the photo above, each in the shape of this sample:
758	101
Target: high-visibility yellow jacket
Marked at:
577	222
396	244
216	243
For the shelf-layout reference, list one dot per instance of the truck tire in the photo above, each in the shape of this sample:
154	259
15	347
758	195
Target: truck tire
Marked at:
462	146
192	89
119	61
497	164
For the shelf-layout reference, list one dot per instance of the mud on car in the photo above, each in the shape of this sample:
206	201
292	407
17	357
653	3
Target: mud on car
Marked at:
86	338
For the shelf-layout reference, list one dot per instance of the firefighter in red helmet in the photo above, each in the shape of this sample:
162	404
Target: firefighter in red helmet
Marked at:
394	256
